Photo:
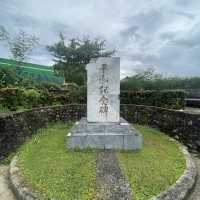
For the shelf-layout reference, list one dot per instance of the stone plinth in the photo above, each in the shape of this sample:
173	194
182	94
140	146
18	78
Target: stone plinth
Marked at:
106	135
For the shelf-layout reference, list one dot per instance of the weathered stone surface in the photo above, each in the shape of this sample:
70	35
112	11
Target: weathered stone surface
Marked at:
103	88
104	136
16	127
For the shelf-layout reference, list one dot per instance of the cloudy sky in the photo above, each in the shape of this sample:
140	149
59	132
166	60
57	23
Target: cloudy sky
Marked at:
163	34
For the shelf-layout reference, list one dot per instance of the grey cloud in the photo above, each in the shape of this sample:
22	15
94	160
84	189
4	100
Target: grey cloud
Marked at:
186	14
146	33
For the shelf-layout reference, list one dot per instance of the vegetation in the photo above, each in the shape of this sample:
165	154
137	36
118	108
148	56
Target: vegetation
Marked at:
46	94
157	166
149	80
172	99
20	45
71	174
56	172
28	74
71	57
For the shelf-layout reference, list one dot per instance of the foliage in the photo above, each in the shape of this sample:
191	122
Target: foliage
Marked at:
70	174
11	98
47	94
173	99
155	167
20	45
32	98
72	56
48	86
149	80
3	108
8	76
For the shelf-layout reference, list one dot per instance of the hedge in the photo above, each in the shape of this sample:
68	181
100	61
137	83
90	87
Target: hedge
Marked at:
173	99
12	98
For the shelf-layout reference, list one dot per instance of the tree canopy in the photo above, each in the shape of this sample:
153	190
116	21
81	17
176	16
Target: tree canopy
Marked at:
71	56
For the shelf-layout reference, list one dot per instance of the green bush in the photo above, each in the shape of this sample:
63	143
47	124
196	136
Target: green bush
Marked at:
173	99
47	86
11	98
32	98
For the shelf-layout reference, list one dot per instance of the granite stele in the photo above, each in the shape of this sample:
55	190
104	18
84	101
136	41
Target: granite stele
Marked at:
103	128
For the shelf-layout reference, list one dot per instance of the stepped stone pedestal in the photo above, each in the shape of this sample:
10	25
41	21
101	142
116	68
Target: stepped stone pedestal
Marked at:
103	128
120	135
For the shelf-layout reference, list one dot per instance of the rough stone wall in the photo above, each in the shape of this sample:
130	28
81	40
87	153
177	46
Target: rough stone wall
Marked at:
16	127
182	126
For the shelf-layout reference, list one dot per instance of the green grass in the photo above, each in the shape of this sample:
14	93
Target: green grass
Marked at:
70	175
55	171
158	165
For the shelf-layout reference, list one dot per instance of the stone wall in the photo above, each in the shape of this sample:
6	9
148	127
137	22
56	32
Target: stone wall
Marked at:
16	127
182	126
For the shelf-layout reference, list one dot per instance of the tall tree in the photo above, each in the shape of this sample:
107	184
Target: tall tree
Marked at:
20	45
71	57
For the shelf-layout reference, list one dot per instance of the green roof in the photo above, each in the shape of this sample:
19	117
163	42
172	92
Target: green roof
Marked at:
31	68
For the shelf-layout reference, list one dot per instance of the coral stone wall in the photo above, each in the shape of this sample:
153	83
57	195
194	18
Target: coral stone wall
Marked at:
180	125
16	127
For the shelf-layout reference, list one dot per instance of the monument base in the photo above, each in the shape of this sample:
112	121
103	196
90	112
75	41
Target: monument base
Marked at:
120	135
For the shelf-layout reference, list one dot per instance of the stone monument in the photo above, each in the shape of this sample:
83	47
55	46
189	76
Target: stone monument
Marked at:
103	128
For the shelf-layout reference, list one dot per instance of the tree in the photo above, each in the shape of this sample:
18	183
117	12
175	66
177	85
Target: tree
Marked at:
7	76
20	45
72	56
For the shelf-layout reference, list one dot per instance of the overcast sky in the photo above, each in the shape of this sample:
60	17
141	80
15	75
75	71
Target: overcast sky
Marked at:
164	34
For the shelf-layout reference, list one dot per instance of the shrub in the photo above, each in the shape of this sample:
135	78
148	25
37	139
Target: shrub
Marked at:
11	98
174	99
32	98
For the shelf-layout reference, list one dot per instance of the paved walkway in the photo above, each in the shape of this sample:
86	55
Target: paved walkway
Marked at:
111	183
5	192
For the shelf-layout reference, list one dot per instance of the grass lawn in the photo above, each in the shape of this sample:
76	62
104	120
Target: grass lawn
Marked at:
158	165
70	175
55	171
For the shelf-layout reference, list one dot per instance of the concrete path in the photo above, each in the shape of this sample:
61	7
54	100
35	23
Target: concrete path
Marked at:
111	183
5	191
195	194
